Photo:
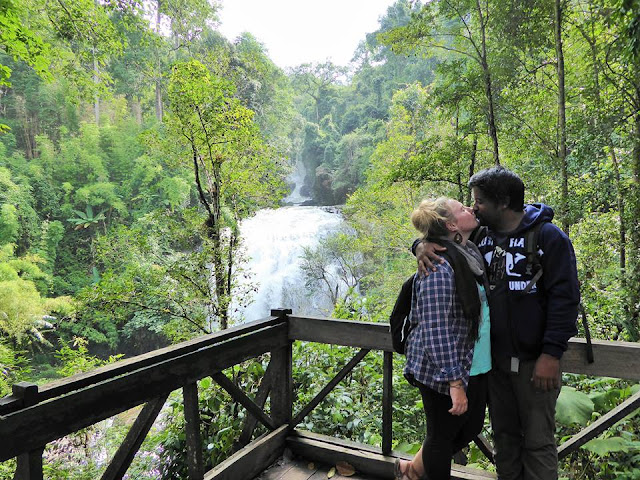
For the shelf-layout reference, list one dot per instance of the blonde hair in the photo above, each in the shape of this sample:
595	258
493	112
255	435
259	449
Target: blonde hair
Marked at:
431	216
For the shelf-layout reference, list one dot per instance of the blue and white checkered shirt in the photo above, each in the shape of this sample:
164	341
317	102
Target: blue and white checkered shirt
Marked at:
438	350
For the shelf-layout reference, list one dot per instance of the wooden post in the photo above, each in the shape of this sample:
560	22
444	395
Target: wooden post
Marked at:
387	402
282	385
30	463
192	427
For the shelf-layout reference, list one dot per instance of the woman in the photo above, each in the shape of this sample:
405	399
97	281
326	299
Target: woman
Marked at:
448	350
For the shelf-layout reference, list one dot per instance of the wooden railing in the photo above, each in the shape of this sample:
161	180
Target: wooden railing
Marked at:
33	417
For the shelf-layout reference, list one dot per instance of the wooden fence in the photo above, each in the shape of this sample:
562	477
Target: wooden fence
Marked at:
32	417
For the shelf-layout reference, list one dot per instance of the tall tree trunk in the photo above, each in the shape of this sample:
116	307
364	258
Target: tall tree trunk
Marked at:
562	119
215	230
210	199
159	111
472	163
136	109
601	123
96	98
621	217
27	129
96	80
488	87
158	84
634	254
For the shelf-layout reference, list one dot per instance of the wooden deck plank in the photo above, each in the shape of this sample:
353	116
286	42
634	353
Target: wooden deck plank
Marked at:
374	465
298	469
322	472
275	472
292	470
252	459
299	472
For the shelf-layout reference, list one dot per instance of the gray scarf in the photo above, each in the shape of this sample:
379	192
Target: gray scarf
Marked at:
473	257
471	254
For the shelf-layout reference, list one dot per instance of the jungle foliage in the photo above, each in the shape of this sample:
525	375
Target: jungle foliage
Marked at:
136	138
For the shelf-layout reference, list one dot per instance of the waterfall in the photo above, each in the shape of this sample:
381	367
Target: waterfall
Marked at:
274	240
297	178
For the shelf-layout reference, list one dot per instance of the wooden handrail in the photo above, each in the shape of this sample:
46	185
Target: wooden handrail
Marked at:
76	382
76	410
612	359
31	418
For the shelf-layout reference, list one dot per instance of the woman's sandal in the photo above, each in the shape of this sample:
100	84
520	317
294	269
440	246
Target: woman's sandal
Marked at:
408	473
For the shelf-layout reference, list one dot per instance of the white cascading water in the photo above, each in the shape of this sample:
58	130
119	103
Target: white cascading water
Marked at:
297	178
274	240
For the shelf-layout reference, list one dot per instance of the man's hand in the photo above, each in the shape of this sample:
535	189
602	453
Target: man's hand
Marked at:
458	399
546	373
426	256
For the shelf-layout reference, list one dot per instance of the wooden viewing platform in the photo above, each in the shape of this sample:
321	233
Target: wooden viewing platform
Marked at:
33	417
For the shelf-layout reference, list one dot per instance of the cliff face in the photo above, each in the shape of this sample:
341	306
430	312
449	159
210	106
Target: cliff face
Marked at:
322	186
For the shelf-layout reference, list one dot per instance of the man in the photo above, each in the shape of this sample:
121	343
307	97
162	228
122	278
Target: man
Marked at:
530	324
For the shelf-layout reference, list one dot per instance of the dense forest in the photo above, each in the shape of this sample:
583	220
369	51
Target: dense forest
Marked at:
135	139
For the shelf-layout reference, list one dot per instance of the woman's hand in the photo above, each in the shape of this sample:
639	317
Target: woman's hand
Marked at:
458	399
426	256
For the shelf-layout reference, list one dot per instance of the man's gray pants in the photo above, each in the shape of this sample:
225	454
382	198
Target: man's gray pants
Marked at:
523	423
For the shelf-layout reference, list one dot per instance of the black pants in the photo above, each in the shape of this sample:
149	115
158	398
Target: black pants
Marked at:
446	433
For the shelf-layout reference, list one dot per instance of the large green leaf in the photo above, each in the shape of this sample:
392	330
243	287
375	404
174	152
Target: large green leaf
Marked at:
605	400
410	448
604	446
573	407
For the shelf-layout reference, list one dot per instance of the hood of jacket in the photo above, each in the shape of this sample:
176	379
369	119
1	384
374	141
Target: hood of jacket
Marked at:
533	214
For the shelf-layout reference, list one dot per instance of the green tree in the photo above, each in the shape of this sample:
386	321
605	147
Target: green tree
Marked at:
461	27
233	170
22	43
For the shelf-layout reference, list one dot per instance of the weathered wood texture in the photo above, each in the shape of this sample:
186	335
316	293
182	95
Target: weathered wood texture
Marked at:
82	400
306	469
77	409
387	402
65	385
612	359
282	385
252	459
332	450
195	467
372	336
30	466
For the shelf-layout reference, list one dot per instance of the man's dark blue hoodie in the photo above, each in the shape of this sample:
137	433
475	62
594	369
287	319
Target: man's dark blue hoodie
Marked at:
544	319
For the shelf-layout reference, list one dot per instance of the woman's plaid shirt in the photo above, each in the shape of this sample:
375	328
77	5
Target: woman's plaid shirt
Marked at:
438	350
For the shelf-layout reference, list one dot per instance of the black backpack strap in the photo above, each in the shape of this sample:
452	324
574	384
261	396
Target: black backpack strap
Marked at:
587	333
533	259
532	282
